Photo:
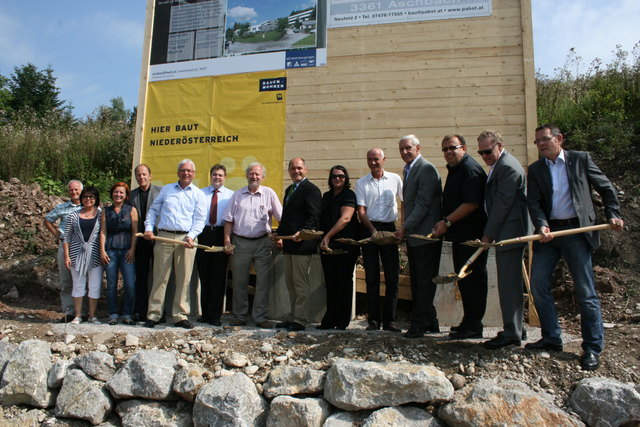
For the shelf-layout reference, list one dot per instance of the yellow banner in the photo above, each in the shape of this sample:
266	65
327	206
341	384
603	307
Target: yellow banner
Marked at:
234	120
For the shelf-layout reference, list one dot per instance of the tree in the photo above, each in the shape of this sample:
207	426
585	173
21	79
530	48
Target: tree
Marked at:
5	95
34	90
114	113
283	23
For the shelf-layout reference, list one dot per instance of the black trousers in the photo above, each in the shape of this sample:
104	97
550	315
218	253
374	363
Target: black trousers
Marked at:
473	288
424	263
338	278
144	260
212	270
372	256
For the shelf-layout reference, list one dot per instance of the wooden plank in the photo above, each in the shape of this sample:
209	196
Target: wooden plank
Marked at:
404	285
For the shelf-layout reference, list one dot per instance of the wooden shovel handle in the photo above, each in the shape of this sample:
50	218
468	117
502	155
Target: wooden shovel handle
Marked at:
173	241
470	261
560	233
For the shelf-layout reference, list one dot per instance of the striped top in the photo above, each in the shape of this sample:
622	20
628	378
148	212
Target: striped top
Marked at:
84	255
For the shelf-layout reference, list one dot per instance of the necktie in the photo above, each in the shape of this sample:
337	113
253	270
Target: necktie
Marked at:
407	168
213	211
290	193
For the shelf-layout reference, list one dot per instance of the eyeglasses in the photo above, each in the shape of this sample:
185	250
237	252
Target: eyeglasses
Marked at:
488	151
543	139
451	148
338	176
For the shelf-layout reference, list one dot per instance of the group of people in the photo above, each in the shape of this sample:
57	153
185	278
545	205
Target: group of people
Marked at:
503	204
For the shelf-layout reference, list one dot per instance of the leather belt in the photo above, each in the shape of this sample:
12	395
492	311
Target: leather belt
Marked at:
251	238
564	222
173	231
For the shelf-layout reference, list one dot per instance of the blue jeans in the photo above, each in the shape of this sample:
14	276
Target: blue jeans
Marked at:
117	261
576	252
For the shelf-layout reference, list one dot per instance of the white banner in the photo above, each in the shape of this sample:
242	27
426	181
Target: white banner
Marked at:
350	13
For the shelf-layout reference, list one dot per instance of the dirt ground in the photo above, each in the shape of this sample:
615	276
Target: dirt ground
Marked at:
29	308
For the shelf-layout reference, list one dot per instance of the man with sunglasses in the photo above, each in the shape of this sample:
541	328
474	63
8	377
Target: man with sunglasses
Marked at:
559	199
507	217
464	219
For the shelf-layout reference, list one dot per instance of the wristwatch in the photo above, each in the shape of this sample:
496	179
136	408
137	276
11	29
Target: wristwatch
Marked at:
446	222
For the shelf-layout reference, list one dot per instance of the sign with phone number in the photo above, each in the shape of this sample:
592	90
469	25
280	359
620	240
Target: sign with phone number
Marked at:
349	13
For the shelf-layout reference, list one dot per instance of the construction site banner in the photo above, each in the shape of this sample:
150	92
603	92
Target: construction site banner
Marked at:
351	13
234	120
197	38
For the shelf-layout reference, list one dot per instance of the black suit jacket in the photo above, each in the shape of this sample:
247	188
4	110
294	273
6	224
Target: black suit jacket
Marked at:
583	175
300	211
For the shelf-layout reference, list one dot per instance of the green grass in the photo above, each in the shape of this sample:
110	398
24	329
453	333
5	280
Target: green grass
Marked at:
310	40
261	37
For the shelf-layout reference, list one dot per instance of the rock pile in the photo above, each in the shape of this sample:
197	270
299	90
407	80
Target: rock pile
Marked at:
157	387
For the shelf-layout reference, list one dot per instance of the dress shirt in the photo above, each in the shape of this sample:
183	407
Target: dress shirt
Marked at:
251	213
224	195
379	196
561	202
60	212
178	209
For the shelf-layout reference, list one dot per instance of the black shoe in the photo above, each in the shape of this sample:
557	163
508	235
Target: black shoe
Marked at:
283	325
433	328
265	324
162	319
414	333
67	318
524	334
391	327
215	322
324	327
183	324
455	328
295	326
465	334
150	324
203	319
372	326
542	345
500	341
589	361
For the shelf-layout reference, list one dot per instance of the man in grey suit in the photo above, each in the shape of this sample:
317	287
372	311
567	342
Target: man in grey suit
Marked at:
507	217
560	198
141	198
421	210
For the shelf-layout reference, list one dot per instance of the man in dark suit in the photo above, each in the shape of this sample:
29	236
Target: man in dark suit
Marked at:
301	211
141	198
559	198
421	210
507	217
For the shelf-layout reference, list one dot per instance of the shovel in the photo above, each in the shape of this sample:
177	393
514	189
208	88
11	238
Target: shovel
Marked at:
533	237
353	242
304	235
454	277
429	237
183	243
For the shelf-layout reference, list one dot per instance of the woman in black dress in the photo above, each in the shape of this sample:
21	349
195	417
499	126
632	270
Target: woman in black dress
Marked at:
338	220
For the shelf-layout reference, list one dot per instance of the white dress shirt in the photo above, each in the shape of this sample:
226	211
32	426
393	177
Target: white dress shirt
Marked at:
224	195
178	209
379	196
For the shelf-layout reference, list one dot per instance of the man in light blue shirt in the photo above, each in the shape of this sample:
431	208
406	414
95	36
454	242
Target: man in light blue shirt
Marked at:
179	212
60	212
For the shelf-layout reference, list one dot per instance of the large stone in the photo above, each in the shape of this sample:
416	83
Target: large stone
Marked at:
83	397
230	401
97	364
406	416
287	411
57	373
147	374
509	402
6	350
188	381
354	385
606	402
294	380
346	419
235	360
143	413
25	376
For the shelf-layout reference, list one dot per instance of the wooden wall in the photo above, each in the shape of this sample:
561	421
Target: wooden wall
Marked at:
428	78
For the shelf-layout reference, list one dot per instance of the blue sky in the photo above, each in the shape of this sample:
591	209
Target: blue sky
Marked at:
95	47
257	11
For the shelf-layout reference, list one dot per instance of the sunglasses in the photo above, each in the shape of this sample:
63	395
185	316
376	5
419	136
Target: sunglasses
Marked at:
488	151
451	148
338	176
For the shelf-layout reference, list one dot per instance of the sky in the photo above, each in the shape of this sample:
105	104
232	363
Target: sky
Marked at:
95	47
257	11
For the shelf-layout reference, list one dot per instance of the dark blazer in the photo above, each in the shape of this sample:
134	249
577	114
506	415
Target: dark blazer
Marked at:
134	200
583	175
300	211
422	200
506	200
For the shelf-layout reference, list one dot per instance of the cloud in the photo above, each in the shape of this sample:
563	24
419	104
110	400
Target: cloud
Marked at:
241	13
15	46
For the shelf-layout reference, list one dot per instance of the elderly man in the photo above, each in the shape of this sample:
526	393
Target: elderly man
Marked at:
212	266
464	219
59	213
142	198
301	211
506	206
247	226
376	195
560	199
421	193
179	212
